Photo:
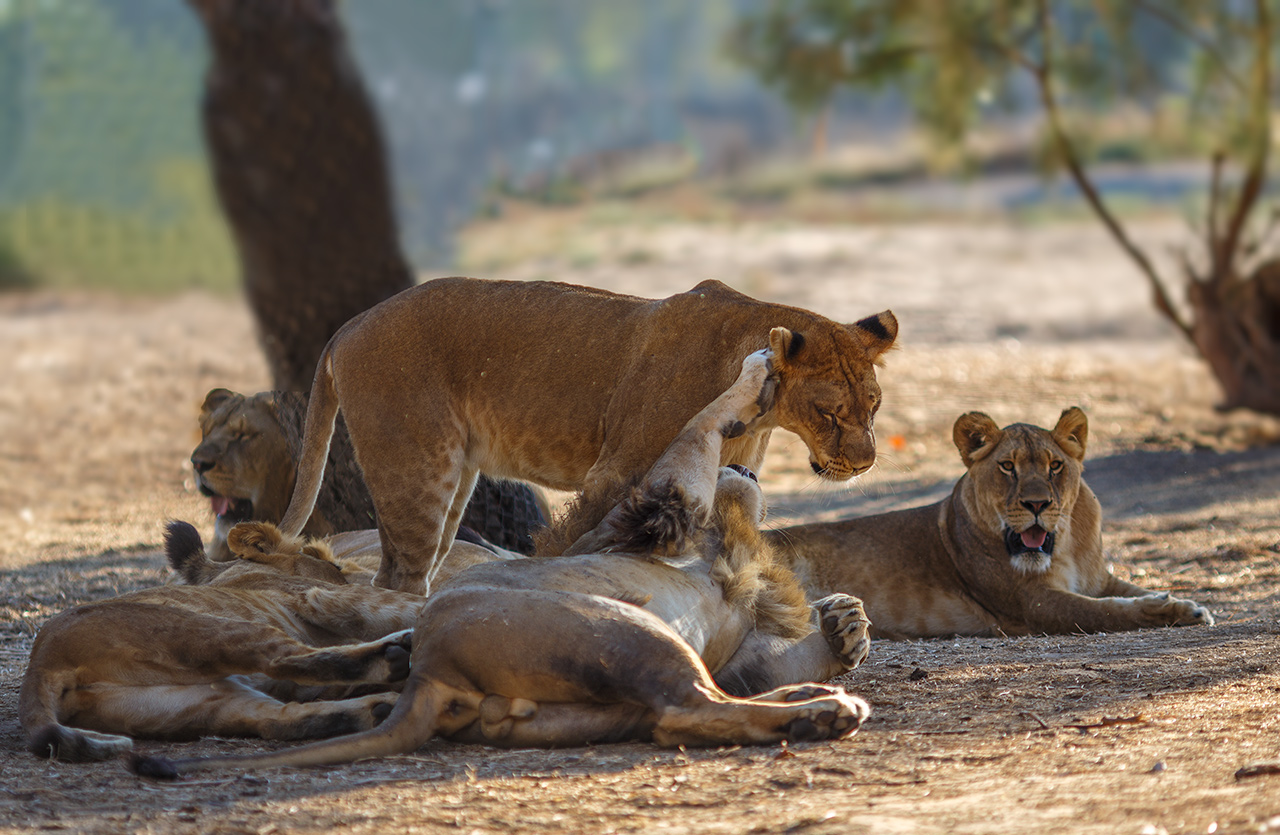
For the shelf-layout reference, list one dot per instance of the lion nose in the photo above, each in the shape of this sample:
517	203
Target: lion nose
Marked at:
1036	507
201	465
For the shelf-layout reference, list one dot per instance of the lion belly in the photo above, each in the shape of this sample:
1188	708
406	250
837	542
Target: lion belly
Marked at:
681	595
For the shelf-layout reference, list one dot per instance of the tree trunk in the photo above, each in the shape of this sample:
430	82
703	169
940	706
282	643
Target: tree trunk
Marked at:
301	173
1236	329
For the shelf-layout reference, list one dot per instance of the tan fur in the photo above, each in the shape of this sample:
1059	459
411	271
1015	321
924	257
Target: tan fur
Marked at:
567	387
243	464
945	569
167	662
614	644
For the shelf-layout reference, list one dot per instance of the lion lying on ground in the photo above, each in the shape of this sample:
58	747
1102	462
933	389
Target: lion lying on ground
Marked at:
567	387
621	641
245	463
167	663
1016	548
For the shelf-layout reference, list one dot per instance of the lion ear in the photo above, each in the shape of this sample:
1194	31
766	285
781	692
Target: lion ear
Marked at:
214	399
876	332
785	344
250	538
975	434
1072	432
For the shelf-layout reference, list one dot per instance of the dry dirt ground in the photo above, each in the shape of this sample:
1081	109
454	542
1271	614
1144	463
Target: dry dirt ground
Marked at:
1137	733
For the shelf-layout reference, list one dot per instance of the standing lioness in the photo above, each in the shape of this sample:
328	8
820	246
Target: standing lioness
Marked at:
569	387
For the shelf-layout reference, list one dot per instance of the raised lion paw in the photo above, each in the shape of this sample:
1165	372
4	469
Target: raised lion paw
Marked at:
1165	609
845	625
752	394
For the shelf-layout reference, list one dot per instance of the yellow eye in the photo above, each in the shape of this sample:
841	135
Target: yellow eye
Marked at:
1055	466
1007	466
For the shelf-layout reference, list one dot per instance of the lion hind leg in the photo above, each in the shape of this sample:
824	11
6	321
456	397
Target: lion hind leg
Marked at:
76	745
692	460
382	661
677	494
415	718
414	498
230	708
453	518
720	719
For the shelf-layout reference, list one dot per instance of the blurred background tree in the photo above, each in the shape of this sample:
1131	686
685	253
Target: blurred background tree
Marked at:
1205	69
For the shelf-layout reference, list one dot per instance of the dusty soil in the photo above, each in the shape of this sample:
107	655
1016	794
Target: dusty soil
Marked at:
1139	732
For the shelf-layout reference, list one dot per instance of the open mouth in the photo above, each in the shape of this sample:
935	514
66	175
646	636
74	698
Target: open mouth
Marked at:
741	470
232	510
1033	539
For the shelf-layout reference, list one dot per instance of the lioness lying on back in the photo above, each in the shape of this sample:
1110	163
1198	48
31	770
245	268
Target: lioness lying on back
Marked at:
622	641
568	387
1015	549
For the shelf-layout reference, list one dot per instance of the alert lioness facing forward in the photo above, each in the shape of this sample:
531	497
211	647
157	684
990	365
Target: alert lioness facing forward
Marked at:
564	386
168	662
1015	549
621	642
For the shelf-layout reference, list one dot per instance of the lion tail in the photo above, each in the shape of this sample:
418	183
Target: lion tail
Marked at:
186	555
317	434
47	737
410	725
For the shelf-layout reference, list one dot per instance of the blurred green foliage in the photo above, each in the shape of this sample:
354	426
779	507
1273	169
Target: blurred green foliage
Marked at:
1181	63
102	176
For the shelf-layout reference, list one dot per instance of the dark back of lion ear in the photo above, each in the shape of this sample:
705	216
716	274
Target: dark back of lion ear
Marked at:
785	344
214	399
975	434
1072	432
877	332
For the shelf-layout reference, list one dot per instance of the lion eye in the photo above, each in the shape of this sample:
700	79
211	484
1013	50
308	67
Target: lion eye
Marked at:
1006	466
1055	466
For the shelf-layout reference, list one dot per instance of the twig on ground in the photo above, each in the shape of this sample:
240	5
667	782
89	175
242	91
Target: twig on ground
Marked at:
1257	770
1111	721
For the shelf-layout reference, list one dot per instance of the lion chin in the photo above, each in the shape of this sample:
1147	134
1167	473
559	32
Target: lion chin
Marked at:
1031	551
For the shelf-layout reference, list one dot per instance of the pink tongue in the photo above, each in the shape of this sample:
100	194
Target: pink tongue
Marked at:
1034	536
222	504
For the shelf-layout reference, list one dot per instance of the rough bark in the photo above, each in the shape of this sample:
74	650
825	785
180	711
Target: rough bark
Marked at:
301	172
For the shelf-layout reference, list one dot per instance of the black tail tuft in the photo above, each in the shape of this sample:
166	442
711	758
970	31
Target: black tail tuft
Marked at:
184	550
157	768
655	520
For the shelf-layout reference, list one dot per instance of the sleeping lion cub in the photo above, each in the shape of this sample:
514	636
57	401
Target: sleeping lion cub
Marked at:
1015	549
567	387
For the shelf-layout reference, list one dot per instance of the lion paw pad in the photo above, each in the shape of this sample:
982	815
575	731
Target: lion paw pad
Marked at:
845	625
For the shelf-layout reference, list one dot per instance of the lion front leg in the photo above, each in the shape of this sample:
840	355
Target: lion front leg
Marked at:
764	662
1061	612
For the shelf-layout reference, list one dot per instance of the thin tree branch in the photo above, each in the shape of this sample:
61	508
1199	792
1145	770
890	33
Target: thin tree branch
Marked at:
1043	76
1214	233
1260	115
1195	36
